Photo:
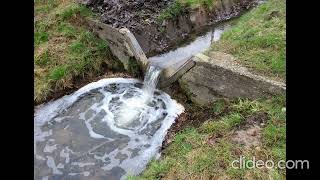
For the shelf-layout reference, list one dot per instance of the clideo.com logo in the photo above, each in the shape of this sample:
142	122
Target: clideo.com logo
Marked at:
243	163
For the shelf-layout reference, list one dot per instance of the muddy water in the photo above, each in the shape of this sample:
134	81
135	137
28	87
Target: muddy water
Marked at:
106	130
186	51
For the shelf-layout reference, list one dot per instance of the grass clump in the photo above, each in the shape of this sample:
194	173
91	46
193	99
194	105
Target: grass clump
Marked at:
198	3
258	39
207	152
64	48
179	7
172	11
57	73
40	37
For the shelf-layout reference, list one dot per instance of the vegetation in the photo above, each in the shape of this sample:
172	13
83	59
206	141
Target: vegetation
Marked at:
64	49
207	152
178	7
258	39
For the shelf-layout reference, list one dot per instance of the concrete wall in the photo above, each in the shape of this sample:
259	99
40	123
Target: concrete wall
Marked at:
122	43
220	76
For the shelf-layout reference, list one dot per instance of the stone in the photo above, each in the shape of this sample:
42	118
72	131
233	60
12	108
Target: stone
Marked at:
220	76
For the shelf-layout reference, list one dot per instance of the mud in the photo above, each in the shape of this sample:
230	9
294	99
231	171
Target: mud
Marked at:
141	17
249	133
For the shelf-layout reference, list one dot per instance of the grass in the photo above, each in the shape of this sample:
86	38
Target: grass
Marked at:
178	7
190	156
258	39
64	48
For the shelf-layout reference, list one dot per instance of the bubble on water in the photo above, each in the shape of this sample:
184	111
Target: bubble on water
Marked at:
130	124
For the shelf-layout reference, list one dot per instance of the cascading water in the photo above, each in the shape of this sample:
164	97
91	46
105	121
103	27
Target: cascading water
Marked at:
105	130
135	106
151	79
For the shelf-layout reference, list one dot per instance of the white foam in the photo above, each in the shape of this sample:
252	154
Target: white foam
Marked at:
51	164
135	108
82	164
47	111
50	149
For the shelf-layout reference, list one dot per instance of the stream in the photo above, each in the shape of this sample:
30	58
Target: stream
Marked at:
107	129
113	127
181	54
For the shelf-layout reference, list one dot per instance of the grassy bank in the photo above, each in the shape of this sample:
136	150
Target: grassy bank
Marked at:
244	128
65	50
258	39
208	151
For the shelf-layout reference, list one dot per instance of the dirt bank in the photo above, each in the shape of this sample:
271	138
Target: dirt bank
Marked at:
157	35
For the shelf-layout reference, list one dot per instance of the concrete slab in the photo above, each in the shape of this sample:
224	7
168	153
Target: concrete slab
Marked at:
174	72
219	76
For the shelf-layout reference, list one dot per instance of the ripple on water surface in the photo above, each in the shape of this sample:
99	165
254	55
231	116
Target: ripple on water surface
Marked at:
106	130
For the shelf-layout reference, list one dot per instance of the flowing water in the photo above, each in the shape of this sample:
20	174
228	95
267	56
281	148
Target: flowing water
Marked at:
180	55
110	128
105	130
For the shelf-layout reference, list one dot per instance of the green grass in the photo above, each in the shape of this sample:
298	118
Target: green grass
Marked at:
258	39
191	156
171	12
73	9
219	106
40	37
57	73
67	30
178	7
64	48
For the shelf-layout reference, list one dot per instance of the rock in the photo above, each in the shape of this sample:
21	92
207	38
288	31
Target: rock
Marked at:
219	76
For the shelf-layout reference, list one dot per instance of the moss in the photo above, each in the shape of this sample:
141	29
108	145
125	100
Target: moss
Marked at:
134	68
179	7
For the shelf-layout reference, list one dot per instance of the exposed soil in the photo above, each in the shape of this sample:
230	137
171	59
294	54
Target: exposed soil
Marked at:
249	132
250	137
141	18
129	13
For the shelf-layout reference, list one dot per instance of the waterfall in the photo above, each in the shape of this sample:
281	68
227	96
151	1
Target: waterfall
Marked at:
151	79
126	120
